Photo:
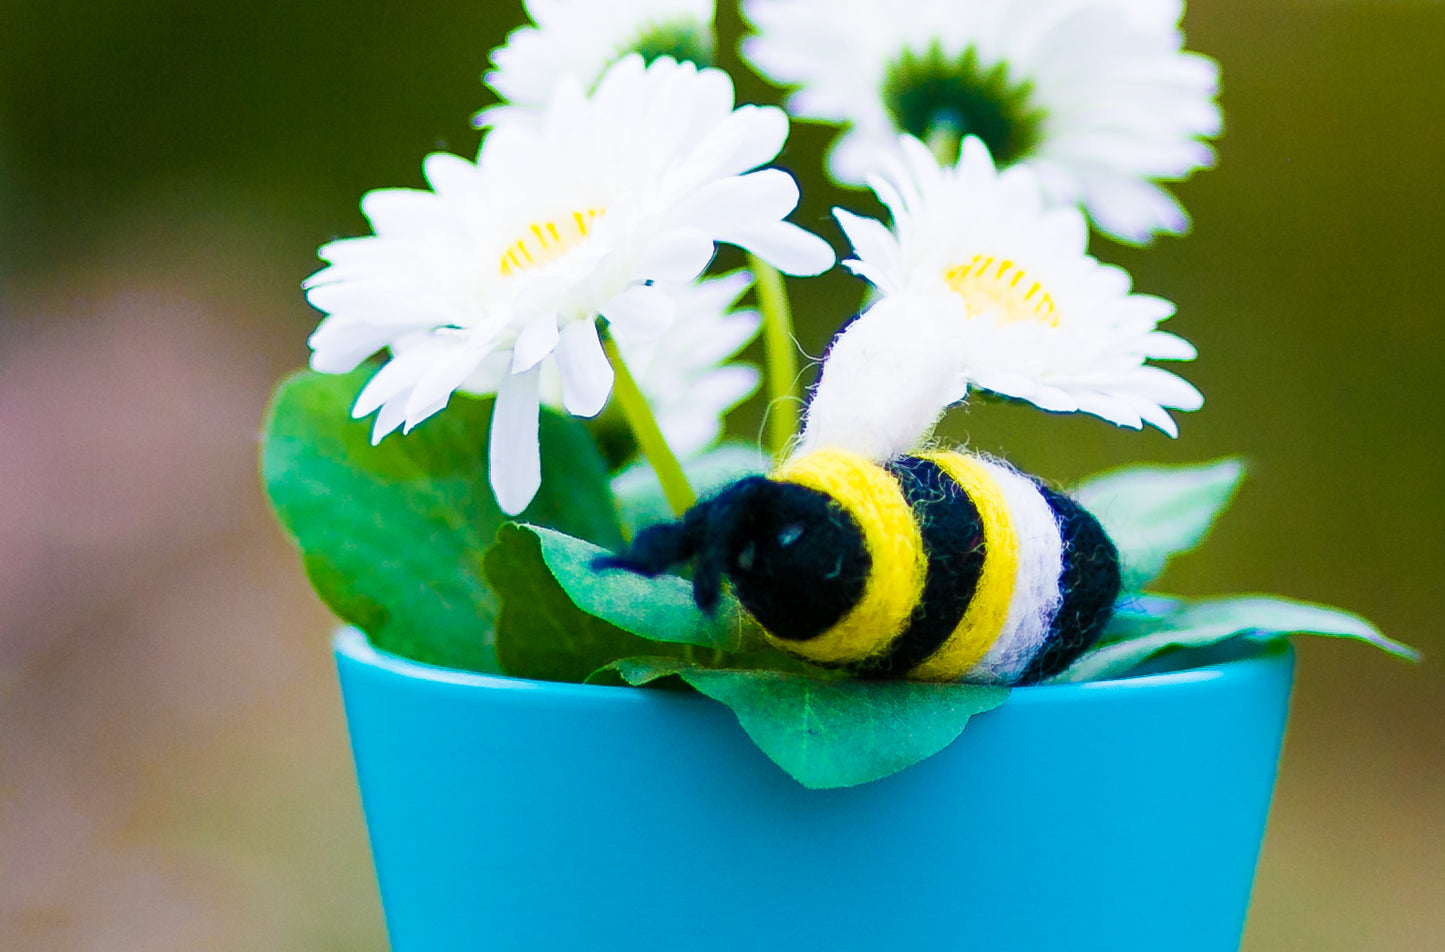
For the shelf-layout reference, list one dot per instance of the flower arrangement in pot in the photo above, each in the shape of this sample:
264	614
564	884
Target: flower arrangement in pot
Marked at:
557	532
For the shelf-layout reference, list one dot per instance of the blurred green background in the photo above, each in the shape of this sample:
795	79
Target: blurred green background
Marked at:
173	768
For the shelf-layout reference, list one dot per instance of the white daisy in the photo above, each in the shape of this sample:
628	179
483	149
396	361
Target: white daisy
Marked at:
1000	282
510	261
582	38
1096	94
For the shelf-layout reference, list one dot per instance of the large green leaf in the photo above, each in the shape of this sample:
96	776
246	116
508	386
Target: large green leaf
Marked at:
541	634
660	609
837	733
639	494
1156	512
392	535
1152	624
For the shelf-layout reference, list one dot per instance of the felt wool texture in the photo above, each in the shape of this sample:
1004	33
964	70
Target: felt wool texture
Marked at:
894	543
988	611
796	558
1090	584
939	567
953	543
1036	594
888	376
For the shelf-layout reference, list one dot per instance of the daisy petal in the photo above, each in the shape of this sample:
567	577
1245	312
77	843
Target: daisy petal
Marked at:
677	255
388	418
765	129
1167	389
1159	418
514	455
1165	346
444	375
1133	211
786	247
537	340
397	376
737	202
871	239
338	347
644	310
585	370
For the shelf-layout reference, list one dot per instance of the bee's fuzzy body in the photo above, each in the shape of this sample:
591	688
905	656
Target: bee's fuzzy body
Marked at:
938	566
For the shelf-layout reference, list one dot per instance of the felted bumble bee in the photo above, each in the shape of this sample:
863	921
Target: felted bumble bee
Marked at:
938	566
862	552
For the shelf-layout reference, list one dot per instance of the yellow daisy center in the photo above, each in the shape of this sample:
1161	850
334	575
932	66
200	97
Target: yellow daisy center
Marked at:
998	286
547	241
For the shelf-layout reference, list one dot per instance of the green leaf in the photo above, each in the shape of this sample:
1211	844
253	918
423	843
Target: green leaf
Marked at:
1137	615
659	609
1156	512
639	494
1152	624
541	634
838	733
392	535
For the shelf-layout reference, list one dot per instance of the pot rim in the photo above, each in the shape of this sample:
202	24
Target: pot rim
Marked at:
350	643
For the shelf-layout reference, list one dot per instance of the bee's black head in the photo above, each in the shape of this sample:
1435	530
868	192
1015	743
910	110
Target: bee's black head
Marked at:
795	557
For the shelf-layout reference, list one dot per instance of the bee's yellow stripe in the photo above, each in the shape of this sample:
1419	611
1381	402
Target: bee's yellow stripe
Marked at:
984	620
895	546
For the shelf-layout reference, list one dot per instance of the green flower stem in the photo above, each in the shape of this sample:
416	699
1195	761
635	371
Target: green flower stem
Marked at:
945	142
782	356
646	431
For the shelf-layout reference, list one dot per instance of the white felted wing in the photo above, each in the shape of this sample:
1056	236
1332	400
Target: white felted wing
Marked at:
888	377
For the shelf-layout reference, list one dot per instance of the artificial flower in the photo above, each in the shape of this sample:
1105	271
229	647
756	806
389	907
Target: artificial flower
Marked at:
591	212
582	38
1000	295
1096	94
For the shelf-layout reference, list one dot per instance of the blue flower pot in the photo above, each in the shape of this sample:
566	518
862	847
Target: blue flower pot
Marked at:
523	815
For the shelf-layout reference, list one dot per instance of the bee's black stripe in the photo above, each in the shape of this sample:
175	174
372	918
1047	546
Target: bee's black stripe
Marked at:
1089	585
953	543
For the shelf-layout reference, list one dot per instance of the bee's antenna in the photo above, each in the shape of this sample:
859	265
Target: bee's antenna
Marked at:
707	532
658	548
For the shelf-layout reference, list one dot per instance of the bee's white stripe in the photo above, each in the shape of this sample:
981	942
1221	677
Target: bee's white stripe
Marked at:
1036	595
